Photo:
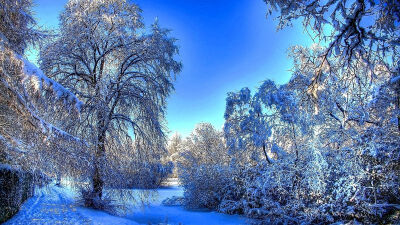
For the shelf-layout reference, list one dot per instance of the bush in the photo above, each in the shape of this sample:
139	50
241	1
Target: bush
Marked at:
174	201
144	175
204	186
203	168
151	175
91	200
16	187
310	190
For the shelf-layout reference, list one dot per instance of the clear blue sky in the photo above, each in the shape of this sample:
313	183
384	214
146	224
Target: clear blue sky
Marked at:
224	45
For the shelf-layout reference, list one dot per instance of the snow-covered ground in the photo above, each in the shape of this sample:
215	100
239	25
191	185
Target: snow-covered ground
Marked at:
55	205
156	213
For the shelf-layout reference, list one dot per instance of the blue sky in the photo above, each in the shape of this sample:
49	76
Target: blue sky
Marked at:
225	45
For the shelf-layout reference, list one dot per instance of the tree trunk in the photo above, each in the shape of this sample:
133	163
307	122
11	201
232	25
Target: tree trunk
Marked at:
97	179
265	154
398	106
58	181
296	181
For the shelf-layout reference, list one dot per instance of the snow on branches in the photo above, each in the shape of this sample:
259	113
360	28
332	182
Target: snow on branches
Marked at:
352	30
17	25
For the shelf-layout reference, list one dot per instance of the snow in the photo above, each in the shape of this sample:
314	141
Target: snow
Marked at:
32	71
170	182
5	144
49	206
103	218
8	167
156	213
395	79
57	205
174	201
51	128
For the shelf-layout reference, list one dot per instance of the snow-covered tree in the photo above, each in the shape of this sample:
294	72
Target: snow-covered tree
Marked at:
352	29
333	156
355	119
17	25
255	122
204	146
174	143
121	73
246	127
34	108
174	147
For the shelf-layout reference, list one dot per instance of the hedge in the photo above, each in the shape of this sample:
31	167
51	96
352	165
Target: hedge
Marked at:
16	187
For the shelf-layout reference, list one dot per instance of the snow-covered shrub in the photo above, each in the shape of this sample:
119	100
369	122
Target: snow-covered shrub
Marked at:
127	171
231	202
174	201
150	175
203	169
321	186
315	189
204	186
269	193
90	200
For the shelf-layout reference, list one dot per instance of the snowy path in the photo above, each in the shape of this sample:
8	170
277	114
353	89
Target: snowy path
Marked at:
49	206
55	205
